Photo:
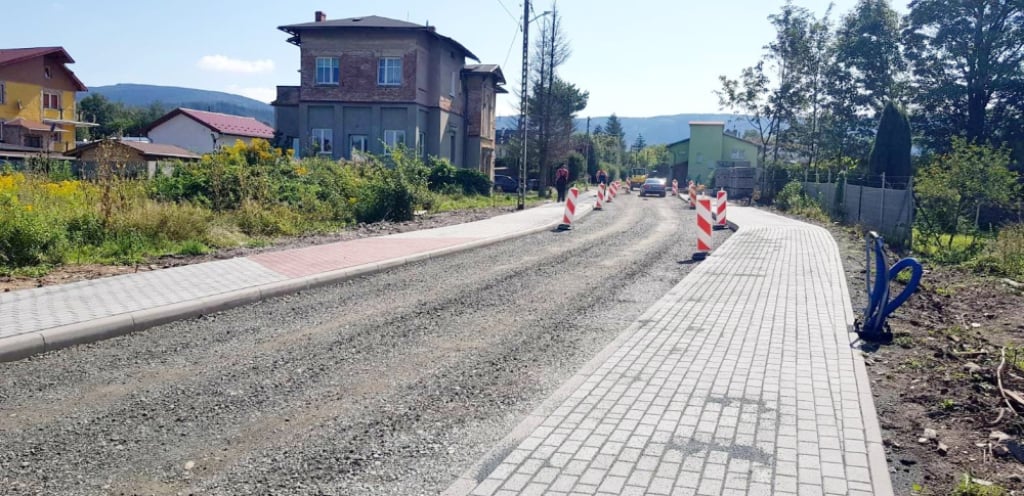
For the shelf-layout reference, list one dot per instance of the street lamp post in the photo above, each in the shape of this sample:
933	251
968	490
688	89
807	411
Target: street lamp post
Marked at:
521	204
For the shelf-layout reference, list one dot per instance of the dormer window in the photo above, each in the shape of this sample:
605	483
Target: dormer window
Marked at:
46	73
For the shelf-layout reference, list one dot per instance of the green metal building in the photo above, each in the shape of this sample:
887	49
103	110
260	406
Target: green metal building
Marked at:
708	147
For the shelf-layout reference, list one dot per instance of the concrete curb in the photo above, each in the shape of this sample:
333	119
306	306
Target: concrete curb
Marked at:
24	345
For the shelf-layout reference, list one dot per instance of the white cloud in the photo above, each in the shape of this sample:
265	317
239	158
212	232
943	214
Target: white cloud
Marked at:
265	95
222	63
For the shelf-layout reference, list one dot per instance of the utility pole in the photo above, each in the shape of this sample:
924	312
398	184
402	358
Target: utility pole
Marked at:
522	104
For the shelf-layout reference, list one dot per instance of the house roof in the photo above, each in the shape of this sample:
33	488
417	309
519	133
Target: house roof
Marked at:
366	22
222	123
707	123
487	69
156	150
31	125
10	56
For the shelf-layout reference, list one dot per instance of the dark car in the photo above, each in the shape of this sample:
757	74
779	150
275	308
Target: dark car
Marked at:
507	184
653	186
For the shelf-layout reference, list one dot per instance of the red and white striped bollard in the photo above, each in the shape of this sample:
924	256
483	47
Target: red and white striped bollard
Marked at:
570	209
721	201
703	228
600	197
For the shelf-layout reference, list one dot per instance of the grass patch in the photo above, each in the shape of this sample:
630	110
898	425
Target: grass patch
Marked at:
32	271
458	201
968	486
193	248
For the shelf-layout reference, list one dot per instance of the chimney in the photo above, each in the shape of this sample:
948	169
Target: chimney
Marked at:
320	16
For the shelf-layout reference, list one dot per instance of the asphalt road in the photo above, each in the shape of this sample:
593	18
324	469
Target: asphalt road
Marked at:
393	383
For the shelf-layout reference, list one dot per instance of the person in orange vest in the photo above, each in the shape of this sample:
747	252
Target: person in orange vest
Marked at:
561	182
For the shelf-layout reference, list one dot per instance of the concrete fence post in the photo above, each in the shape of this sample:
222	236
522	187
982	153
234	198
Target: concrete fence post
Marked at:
881	212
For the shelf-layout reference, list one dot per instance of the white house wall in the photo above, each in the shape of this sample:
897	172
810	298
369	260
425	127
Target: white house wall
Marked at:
184	132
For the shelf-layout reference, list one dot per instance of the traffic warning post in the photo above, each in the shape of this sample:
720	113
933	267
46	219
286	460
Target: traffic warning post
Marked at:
720	203
600	197
703	228
570	209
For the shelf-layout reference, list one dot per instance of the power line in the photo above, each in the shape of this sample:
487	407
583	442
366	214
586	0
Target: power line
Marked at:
509	12
515	34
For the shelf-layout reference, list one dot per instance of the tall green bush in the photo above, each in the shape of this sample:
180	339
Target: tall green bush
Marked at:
891	152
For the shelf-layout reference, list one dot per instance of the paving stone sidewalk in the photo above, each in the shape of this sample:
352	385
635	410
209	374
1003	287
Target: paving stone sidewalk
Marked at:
741	380
50	317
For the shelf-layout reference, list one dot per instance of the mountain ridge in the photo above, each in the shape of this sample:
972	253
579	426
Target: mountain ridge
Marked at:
170	97
657	130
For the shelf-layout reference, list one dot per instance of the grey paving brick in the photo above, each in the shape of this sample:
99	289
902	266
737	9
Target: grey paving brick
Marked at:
741	380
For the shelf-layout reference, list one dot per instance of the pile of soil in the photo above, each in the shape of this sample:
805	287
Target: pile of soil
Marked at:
70	273
939	402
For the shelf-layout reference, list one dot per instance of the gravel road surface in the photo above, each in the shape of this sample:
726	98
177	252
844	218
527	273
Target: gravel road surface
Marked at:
392	384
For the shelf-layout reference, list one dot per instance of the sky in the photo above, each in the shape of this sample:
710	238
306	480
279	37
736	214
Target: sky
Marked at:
636	58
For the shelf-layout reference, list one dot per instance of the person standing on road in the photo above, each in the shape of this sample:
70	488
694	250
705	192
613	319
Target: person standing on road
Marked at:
561	182
602	177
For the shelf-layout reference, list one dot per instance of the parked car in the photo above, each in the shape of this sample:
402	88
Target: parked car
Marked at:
507	184
653	186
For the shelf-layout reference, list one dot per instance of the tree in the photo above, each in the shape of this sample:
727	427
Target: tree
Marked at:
966	56
114	118
868	48
552	50
559	106
613	128
748	96
955	186
891	153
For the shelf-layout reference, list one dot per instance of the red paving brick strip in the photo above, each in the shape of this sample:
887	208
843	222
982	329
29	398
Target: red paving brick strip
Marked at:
324	258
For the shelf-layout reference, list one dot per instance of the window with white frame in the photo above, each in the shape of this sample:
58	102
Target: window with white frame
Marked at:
455	78
393	138
323	141
327	70
421	144
358	143
389	71
51	100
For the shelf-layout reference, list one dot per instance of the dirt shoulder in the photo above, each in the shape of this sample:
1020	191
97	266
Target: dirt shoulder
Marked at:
65	274
939	374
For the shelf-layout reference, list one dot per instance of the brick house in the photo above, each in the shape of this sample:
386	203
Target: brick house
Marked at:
367	82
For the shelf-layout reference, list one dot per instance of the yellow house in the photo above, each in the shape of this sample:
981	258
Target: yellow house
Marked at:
37	101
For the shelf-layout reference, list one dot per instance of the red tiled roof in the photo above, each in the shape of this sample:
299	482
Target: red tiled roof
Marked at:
27	124
14	55
222	123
